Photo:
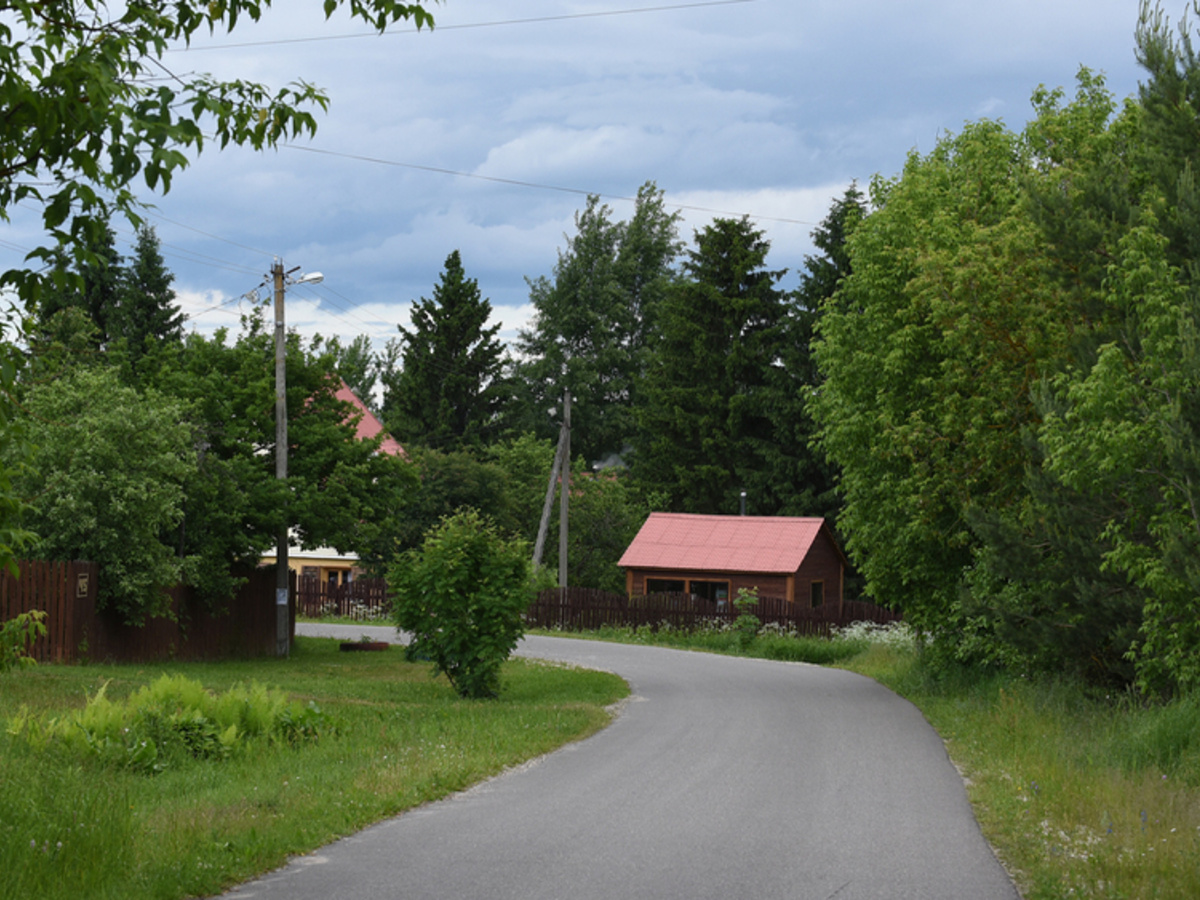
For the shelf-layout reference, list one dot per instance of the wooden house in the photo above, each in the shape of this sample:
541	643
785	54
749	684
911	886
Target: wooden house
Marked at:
796	559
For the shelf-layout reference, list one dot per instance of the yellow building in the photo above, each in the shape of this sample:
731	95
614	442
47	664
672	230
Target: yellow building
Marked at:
324	563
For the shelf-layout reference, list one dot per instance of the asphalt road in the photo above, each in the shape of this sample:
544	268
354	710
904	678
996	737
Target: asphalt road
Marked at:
721	778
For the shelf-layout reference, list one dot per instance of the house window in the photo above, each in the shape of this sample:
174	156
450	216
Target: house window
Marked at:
665	586
717	591
817	593
310	572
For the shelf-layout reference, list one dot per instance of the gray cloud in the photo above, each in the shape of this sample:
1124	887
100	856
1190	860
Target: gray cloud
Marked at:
766	108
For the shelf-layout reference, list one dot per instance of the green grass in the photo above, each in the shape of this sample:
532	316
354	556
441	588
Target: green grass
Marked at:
1081	794
72	827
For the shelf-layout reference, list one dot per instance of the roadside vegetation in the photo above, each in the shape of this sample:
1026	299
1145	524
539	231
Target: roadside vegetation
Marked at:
771	642
346	739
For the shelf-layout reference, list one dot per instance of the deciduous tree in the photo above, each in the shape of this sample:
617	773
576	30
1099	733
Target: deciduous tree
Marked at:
87	115
106	483
594	320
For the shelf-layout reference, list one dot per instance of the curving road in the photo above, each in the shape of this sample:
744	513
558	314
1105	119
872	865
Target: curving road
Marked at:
722	778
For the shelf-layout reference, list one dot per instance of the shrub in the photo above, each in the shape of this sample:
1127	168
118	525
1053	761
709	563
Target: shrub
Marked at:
16	634
462	597
747	624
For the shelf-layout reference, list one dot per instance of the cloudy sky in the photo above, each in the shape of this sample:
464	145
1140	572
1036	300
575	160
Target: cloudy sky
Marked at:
486	134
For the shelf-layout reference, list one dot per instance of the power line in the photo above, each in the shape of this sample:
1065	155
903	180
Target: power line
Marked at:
464	26
515	182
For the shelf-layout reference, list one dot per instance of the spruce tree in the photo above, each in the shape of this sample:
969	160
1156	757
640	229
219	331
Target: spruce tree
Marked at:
450	392
148	313
705	418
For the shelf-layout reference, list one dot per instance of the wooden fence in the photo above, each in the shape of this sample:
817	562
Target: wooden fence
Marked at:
365	599
77	631
585	609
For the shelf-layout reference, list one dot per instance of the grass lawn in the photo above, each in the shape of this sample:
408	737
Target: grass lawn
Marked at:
71	827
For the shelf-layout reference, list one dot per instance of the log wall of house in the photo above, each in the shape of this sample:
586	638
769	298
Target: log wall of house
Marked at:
822	563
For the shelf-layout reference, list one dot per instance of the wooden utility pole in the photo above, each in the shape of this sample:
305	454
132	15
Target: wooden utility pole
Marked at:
560	473
540	546
282	632
564	490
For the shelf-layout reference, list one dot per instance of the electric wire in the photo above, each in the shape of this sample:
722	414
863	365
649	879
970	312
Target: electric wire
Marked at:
459	27
344	312
515	182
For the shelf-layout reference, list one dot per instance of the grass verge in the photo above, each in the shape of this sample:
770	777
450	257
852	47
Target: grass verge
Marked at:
72	827
770	643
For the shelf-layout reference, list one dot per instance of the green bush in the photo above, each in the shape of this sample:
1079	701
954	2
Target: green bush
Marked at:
746	626
462	597
15	636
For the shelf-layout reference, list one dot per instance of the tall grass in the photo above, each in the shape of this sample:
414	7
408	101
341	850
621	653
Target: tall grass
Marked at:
80	827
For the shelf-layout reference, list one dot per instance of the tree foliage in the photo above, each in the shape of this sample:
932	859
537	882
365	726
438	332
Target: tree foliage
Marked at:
148	315
338	487
1012	381
106	483
594	322
704	414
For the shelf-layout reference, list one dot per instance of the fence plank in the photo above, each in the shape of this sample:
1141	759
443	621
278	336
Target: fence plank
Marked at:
245	626
365	599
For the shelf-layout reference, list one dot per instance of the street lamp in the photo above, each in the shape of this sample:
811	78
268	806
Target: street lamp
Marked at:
282	281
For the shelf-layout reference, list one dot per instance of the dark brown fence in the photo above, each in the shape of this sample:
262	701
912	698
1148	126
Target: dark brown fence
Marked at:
77	631
585	609
365	599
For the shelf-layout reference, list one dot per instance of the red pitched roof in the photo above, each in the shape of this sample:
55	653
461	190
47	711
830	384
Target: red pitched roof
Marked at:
368	425
722	543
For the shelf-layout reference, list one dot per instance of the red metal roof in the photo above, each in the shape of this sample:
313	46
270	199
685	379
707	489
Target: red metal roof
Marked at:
368	425
776	544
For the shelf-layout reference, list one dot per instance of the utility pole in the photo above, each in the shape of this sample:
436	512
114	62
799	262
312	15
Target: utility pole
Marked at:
559	472
282	632
540	546
564	490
